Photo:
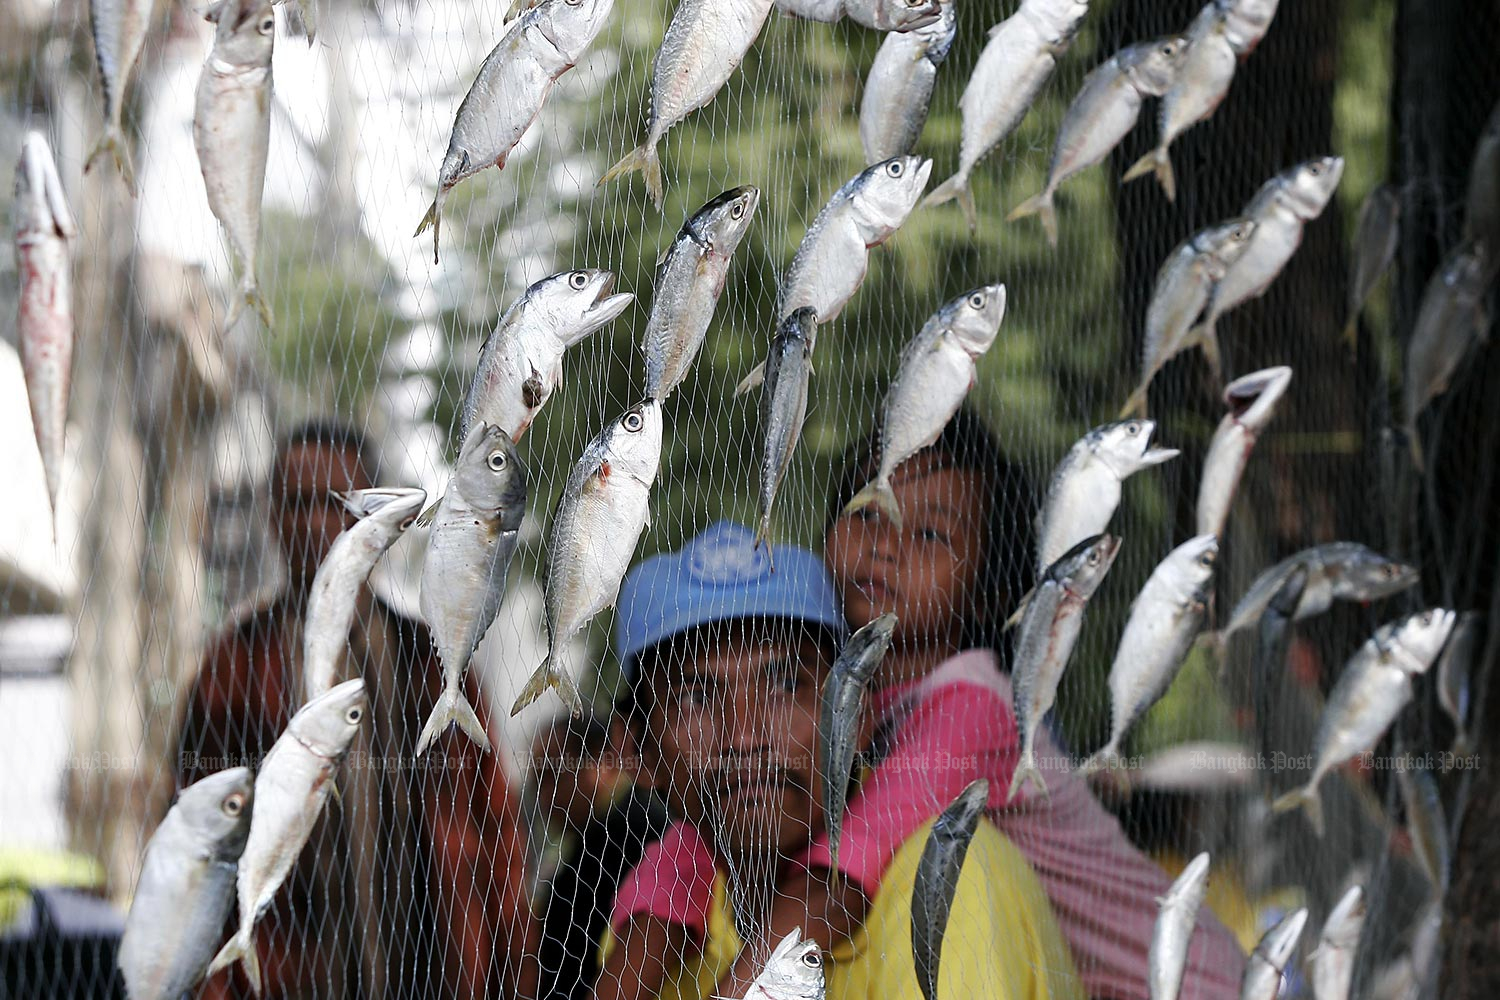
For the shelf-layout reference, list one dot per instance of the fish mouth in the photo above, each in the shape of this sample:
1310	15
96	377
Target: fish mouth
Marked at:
1252	398
1155	456
605	306
924	172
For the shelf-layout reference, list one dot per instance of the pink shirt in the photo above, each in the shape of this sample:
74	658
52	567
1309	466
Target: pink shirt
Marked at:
940	733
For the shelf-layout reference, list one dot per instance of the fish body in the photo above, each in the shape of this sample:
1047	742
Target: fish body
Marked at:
1426	823
1185	285
384	514
508	92
1455	688
1482	201
1085	487
688	284
783	408
1343	571
878	15
605	505
232	132
291	788
474	533
1333	960
1273	639
44	230
936	372
1165	618
1376	236
520	365
898	89
1450	322
1371	691
119	28
1273	953
1016	62
1049	630
1103	113
1252	401
704	44
842	711
937	880
1173	933
793	972
1280	210
186	887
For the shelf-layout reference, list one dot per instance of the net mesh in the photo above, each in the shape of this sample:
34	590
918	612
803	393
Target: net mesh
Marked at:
160	639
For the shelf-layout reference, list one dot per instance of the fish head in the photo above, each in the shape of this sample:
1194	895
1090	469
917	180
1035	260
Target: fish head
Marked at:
1192	563
632	444
1191	883
1465	272
1372	576
894	15
328	724
217	810
572	25
1083	567
882	196
1341	929
1060	19
800	325
794	971
1226	243
394	509
41	206
937	37
490	475
244	32
1306	188
1422	636
1125	447
723	222
963	813
866	648
1252	399
974	317
1278	944
1153	66
571	305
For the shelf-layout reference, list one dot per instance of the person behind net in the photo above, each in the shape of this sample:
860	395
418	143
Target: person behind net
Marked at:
726	660
593	822
412	885
943	711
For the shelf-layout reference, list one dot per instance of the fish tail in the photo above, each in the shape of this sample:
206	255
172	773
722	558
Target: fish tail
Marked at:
1027	774
1015	618
1306	798
1207	339
1041	205
250	292
756	377
956	187
644	159
548	676
1135	406
113	145
763	536
240	948
1159	162
881	495
309	23
452	707
1103	757
434	219
1414	445
425	518
1351	334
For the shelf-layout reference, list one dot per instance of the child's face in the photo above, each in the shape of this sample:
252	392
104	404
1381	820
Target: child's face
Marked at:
922	572
733	721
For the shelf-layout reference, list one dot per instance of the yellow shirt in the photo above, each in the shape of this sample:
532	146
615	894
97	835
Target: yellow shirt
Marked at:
1002	941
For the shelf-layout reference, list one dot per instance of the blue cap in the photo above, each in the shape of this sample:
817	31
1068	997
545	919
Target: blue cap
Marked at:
720	576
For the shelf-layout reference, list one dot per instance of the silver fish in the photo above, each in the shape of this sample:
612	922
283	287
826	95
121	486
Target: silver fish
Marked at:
1173	933
1450	322
186	887
508	93
1086	485
1455	687
1049	630
704	44
1272	954
783	408
119	28
879	15
688	284
232	133
1333	960
793	972
605	506
1337	571
1252	400
384	514
520	365
1016	62
936	372
843	707
1482	202
1164	620
937	880
898	89
1376	237
1184	286
1426	822
474	535
1221	35
1371	691
1280	209
1273	639
44	229
1102	114
291	788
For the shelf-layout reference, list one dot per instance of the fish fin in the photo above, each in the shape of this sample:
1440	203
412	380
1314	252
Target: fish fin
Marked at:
113	144
755	378
956	187
433	218
1207	340
1041	205
452	707
425	518
882	496
1027	774
644	159
1158	161
239	948
1015	618
516	9
309	22
1135	406
1307	799
548	676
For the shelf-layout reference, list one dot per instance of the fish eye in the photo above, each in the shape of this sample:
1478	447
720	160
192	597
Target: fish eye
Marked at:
1315	169
1206	560
977	300
578	279
894	168
1426	619
267	25
633	421
1094	558
354	715
813	959
497	461
1133	428
737	210
407	523
573	3
1388	571
234	805
914	4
